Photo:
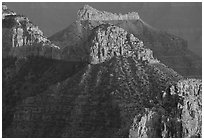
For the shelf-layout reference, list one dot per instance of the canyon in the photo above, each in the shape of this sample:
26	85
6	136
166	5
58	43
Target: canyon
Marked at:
106	75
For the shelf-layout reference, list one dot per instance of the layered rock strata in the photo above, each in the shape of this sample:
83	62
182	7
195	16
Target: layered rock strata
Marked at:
123	91
22	38
178	115
169	49
89	13
110	41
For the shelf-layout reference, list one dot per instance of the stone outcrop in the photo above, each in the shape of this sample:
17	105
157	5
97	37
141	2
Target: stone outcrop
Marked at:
191	93
178	115
146	126
89	13
6	11
169	49
123	91
99	101
22	38
110	41
25	33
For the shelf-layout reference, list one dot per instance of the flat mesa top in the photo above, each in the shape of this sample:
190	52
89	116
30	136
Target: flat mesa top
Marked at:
89	13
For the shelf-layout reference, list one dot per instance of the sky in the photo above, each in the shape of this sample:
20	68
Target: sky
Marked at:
181	19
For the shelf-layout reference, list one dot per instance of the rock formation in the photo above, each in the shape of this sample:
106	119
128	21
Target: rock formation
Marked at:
105	83
169	49
110	41
101	100
178	115
191	93
23	35
89	13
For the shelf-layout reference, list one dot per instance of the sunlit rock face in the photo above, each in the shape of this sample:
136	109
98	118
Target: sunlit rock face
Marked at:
105	83
22	38
25	33
178	115
110	41
169	49
77	34
191	92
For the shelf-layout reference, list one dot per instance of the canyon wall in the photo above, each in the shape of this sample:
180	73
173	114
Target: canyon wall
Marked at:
110	41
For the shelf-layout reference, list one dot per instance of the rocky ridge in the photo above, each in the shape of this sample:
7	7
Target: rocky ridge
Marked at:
22	33
89	13
123	91
110	41
101	100
120	97
169	49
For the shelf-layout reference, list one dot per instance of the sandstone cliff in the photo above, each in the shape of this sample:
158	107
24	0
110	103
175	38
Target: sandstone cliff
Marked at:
23	37
110	41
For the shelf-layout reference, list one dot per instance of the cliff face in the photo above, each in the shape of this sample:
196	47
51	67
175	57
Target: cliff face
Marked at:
26	39
116	89
119	94
169	49
182	118
191	92
110	41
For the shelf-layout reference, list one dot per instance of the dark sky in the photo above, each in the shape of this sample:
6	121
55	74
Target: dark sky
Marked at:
182	19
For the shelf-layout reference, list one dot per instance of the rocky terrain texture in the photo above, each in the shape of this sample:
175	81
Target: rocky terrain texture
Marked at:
112	87
22	38
109	41
169	49
89	13
178	116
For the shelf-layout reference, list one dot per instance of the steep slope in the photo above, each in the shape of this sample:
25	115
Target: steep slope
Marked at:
27	77
21	38
30	63
104	98
115	87
170	49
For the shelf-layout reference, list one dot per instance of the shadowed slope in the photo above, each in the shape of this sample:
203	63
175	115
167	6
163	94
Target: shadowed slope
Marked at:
120	89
